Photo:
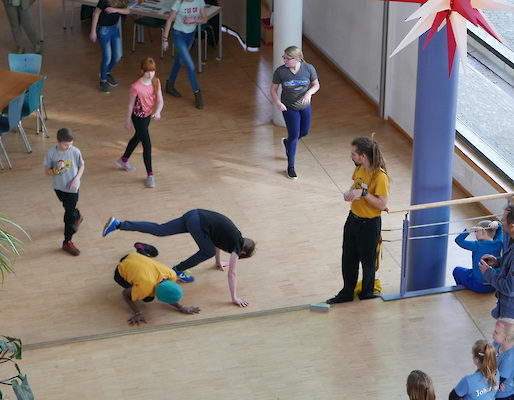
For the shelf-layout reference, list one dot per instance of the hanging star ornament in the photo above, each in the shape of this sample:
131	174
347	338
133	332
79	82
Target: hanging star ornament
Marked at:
434	14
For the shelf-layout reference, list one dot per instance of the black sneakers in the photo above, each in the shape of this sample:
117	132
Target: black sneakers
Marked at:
291	174
111	81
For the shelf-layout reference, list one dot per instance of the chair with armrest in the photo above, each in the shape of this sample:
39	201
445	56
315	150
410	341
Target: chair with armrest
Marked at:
32	104
10	122
30	64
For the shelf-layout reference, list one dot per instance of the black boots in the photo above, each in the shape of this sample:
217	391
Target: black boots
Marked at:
198	100
170	88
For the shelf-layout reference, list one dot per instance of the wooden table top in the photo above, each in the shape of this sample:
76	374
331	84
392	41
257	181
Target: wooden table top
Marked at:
12	84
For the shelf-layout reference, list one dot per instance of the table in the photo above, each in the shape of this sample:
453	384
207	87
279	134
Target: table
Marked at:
12	84
158	9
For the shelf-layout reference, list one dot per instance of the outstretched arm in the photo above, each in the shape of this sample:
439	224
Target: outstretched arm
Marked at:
232	280
138	315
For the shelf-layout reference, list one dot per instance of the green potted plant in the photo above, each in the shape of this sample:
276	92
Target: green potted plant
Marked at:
10	348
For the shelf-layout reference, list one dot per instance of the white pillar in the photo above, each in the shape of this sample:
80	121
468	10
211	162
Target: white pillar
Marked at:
287	31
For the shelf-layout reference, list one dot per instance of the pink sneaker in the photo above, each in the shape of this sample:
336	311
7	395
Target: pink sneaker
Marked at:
125	165
150	181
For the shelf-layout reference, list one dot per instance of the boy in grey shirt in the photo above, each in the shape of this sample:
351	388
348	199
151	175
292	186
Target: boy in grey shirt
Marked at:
64	163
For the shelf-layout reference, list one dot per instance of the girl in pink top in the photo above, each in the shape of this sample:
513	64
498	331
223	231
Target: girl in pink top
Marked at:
144	93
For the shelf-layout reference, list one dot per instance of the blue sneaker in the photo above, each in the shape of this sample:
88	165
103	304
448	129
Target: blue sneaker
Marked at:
183	276
110	226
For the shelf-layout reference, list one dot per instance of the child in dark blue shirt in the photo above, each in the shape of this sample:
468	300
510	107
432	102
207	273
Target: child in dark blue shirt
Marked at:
489	237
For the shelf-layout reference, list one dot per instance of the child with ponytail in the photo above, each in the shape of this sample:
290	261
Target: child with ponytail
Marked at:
503	337
144	93
483	384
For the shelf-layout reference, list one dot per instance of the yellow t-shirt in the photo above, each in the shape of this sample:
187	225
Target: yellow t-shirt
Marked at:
379	187
144	274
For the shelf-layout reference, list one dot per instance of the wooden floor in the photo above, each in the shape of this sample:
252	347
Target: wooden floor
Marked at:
69	312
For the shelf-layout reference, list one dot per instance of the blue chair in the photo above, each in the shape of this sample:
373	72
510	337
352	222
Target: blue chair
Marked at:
31	104
30	64
8	123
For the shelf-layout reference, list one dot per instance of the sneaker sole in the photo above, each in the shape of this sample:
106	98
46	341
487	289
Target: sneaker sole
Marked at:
107	225
112	84
291	177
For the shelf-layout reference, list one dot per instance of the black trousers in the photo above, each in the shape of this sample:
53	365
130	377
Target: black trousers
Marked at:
71	213
142	135
360	241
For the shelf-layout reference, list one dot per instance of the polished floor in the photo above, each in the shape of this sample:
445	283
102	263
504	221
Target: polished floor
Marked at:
70	314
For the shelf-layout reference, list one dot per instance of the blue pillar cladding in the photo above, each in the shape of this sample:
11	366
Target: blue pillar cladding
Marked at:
432	165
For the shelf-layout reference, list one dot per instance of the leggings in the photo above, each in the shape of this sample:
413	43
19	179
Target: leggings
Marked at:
189	222
298	123
142	135
71	213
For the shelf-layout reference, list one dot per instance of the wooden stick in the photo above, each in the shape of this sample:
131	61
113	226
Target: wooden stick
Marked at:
453	202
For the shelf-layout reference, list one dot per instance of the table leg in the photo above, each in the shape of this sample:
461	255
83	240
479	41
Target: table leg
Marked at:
64	14
40	22
198	27
220	39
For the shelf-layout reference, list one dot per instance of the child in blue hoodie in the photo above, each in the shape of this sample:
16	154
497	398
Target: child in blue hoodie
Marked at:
489	235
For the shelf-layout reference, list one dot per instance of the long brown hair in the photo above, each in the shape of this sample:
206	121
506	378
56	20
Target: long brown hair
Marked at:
420	386
370	148
484	352
148	64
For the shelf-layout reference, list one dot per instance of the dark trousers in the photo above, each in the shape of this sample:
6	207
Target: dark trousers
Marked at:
189	222
360	241
141	135
71	213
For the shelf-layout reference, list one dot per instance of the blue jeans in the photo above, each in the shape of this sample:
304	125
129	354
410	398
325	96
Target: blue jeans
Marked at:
464	277
189	222
298	123
183	42
110	42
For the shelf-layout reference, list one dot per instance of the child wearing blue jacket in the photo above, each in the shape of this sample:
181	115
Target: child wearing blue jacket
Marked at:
489	235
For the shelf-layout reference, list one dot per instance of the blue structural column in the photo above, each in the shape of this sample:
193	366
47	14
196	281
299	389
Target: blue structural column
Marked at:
432	166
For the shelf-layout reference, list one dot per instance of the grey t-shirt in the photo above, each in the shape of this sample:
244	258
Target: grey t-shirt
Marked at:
72	160
294	86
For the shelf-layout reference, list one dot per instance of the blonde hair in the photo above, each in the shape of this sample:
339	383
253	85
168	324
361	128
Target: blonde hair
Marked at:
420	386
294	52
485	354
148	64
507	327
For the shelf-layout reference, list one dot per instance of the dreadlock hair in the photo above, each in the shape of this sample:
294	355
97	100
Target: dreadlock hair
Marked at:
370	148
484	352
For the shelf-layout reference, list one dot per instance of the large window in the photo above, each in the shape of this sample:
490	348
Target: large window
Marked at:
485	108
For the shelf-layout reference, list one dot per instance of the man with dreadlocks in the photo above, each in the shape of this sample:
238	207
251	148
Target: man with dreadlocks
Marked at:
368	195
